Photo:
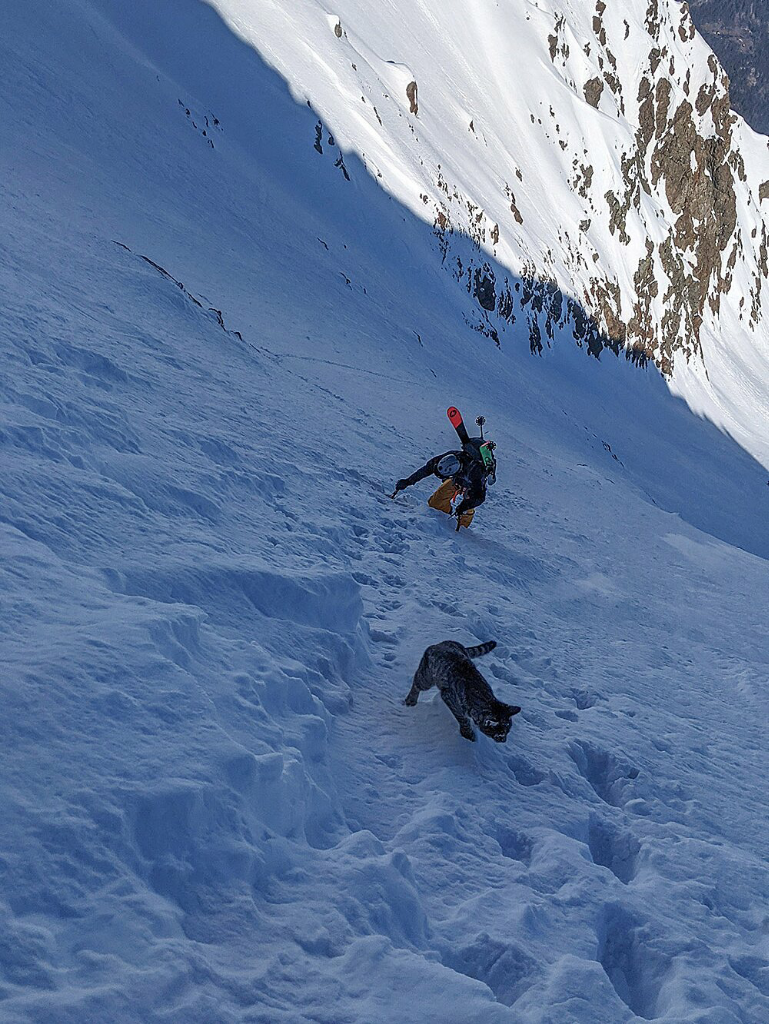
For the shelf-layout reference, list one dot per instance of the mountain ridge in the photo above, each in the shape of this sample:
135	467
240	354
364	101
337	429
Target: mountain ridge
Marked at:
682	266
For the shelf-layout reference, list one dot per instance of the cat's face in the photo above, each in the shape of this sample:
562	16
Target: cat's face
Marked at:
496	723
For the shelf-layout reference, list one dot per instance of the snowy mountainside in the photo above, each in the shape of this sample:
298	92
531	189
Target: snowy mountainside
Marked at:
220	353
590	148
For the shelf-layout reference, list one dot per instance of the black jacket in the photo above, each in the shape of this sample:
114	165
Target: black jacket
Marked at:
472	476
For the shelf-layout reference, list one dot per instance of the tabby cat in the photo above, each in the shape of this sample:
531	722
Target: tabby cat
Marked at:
448	665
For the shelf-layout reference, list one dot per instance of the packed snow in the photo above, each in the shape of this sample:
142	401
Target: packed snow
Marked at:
221	349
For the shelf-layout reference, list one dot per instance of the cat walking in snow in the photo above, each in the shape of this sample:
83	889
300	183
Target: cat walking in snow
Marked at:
449	666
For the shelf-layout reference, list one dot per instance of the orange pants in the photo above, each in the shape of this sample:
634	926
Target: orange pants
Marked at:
442	501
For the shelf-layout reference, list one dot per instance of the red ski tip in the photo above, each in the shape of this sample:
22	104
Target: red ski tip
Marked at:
454	415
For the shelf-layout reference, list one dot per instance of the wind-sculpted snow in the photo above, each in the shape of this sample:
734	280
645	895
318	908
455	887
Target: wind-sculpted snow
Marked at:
214	806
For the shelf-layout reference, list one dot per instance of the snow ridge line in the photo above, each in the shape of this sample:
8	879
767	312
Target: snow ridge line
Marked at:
185	291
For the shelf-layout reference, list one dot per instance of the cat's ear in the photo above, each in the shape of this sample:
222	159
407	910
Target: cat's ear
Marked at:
513	709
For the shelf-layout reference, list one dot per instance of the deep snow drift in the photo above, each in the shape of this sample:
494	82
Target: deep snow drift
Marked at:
214	805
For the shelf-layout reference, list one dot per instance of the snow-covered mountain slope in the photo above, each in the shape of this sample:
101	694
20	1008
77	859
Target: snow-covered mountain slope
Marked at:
589	147
219	353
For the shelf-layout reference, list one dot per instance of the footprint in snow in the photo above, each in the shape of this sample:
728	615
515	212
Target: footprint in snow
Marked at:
568	716
515	845
635	960
614	848
585	699
525	773
610	777
379	636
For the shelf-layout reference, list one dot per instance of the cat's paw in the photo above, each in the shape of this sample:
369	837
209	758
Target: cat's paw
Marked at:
410	701
468	732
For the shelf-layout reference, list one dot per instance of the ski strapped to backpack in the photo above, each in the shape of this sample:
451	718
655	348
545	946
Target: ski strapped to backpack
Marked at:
485	449
455	416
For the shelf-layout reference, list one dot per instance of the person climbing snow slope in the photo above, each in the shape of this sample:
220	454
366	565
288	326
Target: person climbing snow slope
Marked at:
465	474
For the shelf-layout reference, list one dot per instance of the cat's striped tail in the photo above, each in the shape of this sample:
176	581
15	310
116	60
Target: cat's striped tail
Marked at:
480	649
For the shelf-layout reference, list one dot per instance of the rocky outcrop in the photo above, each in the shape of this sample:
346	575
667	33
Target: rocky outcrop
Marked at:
411	96
683	165
617	206
696	173
592	90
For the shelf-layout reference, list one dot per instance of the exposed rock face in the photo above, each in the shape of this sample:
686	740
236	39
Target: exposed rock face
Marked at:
672	204
411	95
593	90
610	191
697	172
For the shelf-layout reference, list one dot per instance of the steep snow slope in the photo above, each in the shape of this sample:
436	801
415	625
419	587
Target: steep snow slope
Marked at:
589	147
214	805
